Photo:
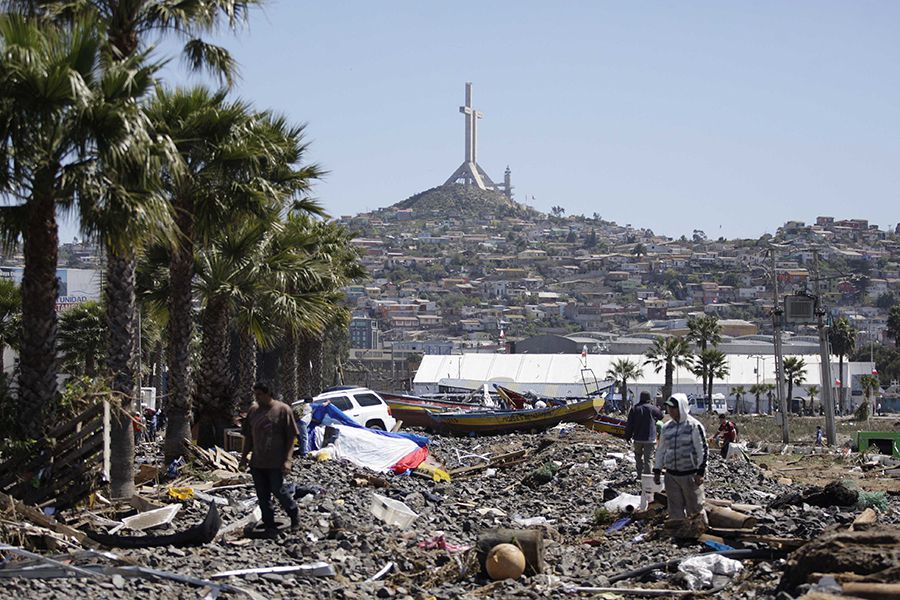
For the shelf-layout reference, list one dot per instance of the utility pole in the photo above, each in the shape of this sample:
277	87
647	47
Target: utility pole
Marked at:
777	312
825	359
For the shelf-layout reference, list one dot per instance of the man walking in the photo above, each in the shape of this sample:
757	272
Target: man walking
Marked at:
641	427
269	433
728	432
683	453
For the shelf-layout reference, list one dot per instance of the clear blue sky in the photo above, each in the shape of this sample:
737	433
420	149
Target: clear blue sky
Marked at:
731	117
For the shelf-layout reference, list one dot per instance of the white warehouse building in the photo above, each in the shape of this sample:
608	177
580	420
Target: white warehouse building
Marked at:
562	375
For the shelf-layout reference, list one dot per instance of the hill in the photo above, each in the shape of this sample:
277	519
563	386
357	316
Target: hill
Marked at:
464	200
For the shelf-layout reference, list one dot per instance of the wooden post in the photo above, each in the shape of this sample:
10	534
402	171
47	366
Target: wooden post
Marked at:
107	440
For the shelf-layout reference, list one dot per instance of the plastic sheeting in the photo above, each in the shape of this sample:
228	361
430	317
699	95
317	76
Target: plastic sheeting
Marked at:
367	449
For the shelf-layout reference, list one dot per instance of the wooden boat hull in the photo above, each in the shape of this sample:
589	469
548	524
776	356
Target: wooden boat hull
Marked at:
610	425
413	411
506	421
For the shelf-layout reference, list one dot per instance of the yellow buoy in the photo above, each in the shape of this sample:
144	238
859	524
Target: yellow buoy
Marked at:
505	561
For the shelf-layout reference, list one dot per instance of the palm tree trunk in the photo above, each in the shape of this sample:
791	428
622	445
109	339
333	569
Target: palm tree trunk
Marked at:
38	363
180	330
122	368
667	387
304	368
289	368
247	371
215	398
316	350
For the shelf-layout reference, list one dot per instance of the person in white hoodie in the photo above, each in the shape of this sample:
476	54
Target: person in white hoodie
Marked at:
683	452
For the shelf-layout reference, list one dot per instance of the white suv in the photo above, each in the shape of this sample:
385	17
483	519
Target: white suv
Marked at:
361	404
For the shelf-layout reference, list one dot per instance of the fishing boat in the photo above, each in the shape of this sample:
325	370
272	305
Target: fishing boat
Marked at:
506	421
413	410
610	425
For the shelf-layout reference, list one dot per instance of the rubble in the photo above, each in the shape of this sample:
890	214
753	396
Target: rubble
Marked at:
492	489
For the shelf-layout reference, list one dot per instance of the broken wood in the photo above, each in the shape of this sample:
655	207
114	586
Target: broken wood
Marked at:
529	541
864	519
875	591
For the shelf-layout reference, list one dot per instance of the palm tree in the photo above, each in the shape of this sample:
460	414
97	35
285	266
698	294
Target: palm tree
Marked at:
893	324
704	331
758	389
812	391
621	371
82	338
67	112
842	337
795	374
869	384
770	394
709	364
335	249
250	263
669	353
738	392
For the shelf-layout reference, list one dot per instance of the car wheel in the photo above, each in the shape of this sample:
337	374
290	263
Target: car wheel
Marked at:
375	425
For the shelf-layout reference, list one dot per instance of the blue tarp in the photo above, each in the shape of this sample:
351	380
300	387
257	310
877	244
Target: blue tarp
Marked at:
328	414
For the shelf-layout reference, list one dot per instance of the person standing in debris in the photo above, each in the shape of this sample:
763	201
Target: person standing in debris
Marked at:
819	440
641	427
728	432
269	434
683	453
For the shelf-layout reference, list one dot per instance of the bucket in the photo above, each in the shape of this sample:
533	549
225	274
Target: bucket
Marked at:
648	488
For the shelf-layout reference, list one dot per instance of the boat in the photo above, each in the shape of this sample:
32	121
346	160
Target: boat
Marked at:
610	425
413	410
506	421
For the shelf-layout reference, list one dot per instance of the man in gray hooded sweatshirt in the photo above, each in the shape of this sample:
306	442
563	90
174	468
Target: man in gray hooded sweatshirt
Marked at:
683	452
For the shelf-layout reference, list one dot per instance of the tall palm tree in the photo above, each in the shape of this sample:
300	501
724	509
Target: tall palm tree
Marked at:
795	374
623	370
770	394
247	265
757	389
869	384
842	337
893	324
212	135
704	331
738	392
812	391
66	111
82	338
668	353
710	364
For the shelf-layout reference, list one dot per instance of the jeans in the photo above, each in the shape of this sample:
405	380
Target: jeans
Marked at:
684	496
268	482
303	438
643	457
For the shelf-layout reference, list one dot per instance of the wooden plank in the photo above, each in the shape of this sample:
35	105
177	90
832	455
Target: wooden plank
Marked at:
93	411
107	440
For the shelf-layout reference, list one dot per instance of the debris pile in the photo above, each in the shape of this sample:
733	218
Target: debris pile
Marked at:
559	505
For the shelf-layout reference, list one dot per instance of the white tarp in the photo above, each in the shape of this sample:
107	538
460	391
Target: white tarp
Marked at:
366	448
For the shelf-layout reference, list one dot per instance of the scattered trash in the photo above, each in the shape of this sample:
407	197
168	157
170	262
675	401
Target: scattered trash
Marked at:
392	512
440	542
181	494
698	571
505	561
623	503
617	525
532	521
202	533
146	520
316	569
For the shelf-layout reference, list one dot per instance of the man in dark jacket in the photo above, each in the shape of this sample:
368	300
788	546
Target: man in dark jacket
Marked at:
641	427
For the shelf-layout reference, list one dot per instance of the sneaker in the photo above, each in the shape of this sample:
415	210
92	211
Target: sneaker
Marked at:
295	525
270	533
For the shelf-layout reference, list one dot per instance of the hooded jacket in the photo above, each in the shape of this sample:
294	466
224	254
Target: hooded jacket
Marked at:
682	448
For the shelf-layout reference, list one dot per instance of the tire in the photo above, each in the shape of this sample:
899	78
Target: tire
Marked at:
376	424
